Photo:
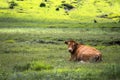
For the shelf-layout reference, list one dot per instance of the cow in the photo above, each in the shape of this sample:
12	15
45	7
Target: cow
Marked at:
83	53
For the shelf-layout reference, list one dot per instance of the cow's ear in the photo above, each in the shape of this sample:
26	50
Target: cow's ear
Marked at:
66	42
76	43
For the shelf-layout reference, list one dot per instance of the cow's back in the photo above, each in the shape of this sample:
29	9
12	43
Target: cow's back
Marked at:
87	53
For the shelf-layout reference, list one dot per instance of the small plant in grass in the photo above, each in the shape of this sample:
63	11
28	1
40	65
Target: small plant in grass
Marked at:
10	41
46	0
67	6
42	4
12	4
63	1
38	66
57	9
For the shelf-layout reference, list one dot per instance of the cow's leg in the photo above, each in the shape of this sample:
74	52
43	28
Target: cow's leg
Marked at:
95	58
72	58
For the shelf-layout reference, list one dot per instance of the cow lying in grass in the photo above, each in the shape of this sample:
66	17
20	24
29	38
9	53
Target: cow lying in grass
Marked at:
80	52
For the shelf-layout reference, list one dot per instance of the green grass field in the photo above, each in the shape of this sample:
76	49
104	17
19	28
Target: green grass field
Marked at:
40	53
32	39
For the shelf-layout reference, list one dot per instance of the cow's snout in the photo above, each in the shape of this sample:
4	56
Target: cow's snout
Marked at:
70	49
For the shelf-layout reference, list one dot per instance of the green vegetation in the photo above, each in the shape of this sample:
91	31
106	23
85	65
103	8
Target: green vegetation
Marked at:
32	35
40	53
57	13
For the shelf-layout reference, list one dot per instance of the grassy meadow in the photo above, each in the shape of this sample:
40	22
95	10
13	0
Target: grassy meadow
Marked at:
40	53
32	35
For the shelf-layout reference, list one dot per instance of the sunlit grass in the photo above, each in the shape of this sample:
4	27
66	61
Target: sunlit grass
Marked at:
87	9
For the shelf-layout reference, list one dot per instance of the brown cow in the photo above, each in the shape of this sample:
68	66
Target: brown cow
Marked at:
80	52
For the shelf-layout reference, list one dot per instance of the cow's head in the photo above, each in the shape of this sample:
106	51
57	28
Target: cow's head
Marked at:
72	45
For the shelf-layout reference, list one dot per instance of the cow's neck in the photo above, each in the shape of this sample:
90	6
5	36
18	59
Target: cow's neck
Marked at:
74	51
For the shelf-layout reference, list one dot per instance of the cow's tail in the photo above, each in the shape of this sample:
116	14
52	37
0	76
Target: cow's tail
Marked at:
98	58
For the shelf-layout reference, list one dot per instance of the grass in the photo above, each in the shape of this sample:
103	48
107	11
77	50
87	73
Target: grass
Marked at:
40	53
28	14
13	23
32	39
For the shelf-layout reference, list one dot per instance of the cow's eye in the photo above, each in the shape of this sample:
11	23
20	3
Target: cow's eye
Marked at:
73	44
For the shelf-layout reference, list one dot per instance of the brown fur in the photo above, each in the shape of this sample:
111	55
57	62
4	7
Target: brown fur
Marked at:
80	52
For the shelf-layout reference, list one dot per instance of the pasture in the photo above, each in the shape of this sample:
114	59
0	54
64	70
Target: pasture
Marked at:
40	54
32	35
